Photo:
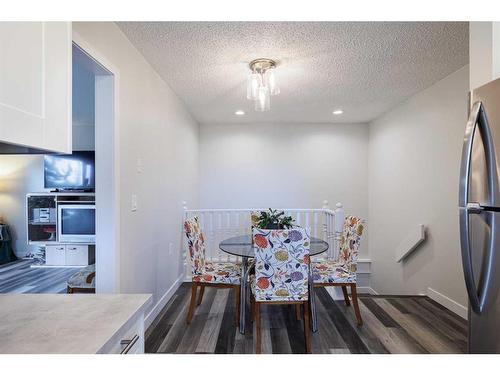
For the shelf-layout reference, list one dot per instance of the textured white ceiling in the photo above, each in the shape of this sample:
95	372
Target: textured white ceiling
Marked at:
364	68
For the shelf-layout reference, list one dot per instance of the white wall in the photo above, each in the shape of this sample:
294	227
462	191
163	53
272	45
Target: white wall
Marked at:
414	156
154	127
285	165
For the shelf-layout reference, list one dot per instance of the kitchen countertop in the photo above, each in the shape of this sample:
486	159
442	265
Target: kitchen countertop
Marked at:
64	323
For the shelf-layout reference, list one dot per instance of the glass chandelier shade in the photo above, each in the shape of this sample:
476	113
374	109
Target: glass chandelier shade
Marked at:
270	79
261	83
254	82
263	102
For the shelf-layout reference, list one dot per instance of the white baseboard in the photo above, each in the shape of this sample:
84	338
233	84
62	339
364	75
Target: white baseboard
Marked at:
366	290
150	317
450	304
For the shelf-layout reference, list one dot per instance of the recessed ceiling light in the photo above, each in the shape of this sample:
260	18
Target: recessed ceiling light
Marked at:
239	113
338	112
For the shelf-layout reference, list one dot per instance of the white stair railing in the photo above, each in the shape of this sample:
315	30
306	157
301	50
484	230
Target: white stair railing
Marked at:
220	224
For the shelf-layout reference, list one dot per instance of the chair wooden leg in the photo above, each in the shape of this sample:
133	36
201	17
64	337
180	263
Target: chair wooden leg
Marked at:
200	297
192	304
354	294
307	338
258	338
237	309
298	313
346	296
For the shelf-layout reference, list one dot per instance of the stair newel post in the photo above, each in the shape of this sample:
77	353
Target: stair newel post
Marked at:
339	226
325	205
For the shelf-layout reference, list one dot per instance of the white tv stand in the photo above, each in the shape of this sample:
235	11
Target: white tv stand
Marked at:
69	254
41	228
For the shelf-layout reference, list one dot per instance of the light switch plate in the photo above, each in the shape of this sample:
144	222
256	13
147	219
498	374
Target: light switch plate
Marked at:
134	202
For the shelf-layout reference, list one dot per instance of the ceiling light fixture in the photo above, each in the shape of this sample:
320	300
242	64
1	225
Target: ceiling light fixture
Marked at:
338	112
262	83
239	113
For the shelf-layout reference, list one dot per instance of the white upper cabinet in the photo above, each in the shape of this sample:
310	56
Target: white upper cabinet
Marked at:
35	85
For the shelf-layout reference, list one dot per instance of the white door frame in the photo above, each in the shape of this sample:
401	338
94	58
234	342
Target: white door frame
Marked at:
108	192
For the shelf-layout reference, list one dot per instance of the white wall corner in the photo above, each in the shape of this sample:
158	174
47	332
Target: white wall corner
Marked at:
151	316
447	302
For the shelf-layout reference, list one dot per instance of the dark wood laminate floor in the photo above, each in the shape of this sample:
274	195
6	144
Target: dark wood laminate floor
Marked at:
19	277
391	325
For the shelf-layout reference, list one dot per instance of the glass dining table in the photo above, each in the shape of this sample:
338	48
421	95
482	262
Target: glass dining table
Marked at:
242	246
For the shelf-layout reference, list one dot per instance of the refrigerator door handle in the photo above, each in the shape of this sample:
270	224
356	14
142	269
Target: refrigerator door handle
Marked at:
477	120
476	301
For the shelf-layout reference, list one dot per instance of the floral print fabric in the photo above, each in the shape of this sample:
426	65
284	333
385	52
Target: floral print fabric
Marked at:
343	269
196	244
349	242
281	264
330	272
220	273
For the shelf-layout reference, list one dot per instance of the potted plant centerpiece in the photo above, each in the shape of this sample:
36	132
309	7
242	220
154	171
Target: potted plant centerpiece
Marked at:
273	219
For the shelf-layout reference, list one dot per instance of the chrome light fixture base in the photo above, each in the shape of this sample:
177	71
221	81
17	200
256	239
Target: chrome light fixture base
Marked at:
261	65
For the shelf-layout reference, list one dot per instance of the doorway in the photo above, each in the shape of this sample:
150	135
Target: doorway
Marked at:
105	78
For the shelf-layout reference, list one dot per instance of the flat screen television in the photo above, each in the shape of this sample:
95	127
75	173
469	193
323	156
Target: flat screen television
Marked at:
70	172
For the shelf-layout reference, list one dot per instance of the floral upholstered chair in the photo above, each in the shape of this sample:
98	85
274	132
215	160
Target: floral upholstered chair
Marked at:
206	273
342	271
281	273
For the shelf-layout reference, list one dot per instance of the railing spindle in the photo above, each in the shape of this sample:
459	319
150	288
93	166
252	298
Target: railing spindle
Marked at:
315	224
230	230
211	234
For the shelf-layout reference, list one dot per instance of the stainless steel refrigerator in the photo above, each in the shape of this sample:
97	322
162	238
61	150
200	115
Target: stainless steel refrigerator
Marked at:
479	211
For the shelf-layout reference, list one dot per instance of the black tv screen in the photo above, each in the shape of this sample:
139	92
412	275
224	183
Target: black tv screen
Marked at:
66	172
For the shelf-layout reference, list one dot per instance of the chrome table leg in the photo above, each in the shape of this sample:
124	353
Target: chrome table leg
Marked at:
314	316
243	295
312	303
